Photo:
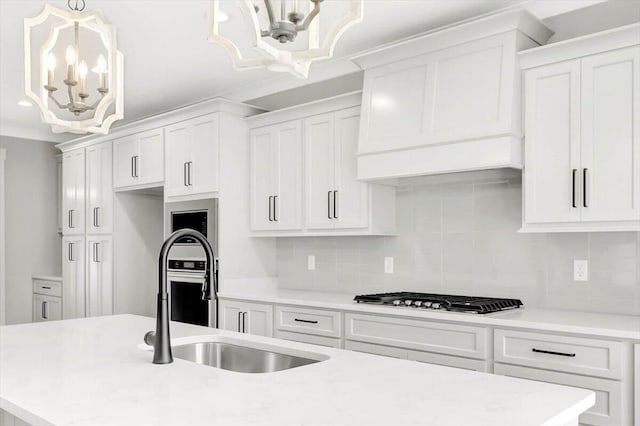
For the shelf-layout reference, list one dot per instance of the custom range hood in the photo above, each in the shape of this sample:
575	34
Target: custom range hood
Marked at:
446	101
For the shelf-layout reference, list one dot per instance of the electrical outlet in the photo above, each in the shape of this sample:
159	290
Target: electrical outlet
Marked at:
581	270
388	265
311	262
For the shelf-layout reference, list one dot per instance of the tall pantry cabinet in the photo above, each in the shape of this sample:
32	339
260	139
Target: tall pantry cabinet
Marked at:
87	203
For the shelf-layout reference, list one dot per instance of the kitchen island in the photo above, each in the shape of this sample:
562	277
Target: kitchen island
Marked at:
95	371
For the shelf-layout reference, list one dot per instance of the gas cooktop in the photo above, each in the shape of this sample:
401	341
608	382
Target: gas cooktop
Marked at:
447	302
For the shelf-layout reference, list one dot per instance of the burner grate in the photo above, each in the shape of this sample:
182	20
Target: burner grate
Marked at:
455	303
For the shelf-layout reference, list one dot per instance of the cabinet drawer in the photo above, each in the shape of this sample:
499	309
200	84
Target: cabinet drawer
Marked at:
570	354
308	338
369	348
450	361
609	409
49	288
310	321
444	338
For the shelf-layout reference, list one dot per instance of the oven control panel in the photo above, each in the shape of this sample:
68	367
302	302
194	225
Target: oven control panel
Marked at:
187	265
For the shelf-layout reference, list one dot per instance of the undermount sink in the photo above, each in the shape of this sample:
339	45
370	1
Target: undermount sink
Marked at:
241	356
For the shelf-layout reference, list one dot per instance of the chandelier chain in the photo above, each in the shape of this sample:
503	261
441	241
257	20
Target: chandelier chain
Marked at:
76	7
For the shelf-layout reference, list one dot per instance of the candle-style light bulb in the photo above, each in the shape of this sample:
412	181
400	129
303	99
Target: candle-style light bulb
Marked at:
101	65
51	61
51	66
71	55
83	70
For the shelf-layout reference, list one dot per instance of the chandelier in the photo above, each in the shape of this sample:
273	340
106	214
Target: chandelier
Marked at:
70	98
281	35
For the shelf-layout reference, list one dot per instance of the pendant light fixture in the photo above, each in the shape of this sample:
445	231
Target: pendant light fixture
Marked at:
59	45
281	35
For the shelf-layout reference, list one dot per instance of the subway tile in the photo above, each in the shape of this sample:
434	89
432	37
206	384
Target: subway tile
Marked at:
457	207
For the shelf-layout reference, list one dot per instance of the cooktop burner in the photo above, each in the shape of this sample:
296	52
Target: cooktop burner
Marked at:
470	304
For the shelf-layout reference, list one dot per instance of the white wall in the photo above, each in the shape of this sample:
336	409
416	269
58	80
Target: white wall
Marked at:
460	237
33	245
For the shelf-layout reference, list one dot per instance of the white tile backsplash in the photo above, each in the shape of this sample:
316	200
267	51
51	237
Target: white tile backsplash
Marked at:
461	237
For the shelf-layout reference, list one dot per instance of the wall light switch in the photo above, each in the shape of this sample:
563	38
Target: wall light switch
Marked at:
311	262
388	265
581	270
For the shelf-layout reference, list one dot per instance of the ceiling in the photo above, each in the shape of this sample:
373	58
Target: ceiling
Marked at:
169	62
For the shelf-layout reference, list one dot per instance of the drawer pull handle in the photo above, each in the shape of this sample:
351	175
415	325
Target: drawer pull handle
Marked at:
304	320
47	287
542	351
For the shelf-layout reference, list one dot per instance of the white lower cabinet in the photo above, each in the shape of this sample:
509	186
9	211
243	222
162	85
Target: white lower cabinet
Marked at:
244	317
47	300
99	286
599	365
73	277
448	339
46	308
87	276
315	326
610	408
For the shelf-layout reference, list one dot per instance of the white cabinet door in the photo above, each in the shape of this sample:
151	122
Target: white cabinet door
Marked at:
611	136
99	189
552	146
351	204
73	186
192	156
73	279
124	156
230	316
139	159
287	205
178	157
259	321
262	166
319	171
205	149
99	287
245	317
150	163
46	308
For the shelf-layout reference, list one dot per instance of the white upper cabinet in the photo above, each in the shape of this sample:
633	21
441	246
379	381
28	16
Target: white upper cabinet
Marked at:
334	198
582	169
303	174
610	150
276	177
99	184
447	101
138	160
192	153
552	120
73	192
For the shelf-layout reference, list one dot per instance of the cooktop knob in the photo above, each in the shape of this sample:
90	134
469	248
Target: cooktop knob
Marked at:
418	303
397	302
435	305
427	304
408	302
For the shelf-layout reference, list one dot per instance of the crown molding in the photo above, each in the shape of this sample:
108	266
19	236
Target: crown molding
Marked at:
32	133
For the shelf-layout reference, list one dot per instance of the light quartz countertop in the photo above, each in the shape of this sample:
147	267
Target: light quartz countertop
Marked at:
95	371
585	323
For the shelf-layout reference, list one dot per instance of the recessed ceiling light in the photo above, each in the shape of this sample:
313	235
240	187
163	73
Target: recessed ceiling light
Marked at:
25	103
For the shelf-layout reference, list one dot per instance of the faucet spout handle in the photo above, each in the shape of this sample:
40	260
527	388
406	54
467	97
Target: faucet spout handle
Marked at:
150	338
